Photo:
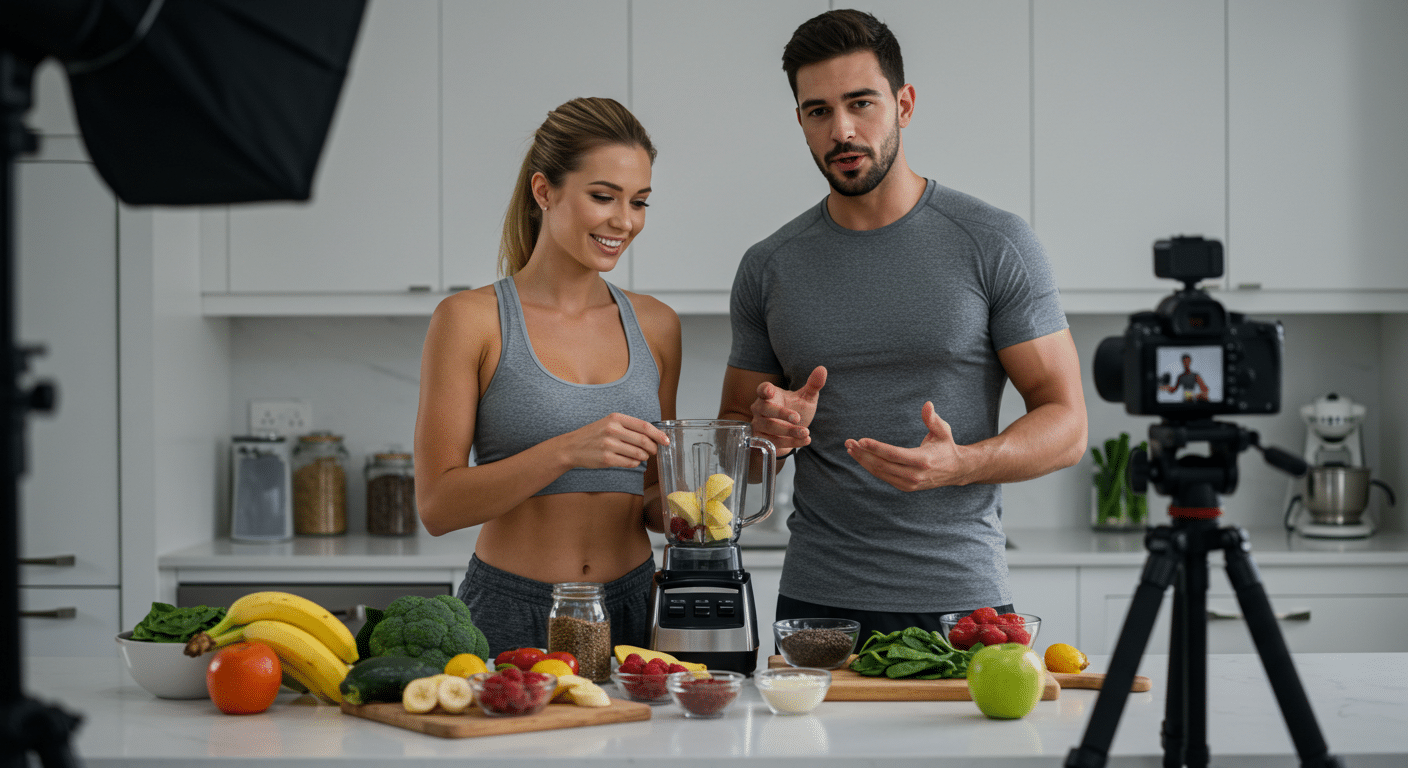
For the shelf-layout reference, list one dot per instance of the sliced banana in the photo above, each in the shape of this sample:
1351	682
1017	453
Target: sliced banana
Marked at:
421	695
453	694
589	695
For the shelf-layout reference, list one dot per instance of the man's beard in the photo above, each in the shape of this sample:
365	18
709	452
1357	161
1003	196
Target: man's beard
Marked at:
851	183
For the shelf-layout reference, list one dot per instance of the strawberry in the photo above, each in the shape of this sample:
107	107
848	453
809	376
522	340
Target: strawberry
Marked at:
679	528
992	634
1012	619
673	668
985	616
512	674
632	666
1018	635
967	621
962	636
634	657
656	667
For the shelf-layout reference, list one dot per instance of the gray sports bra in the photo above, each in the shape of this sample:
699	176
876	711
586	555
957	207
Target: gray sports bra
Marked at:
525	404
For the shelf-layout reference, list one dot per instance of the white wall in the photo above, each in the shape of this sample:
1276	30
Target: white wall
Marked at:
361	376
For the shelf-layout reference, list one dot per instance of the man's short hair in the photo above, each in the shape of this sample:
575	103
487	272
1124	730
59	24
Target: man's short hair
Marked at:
837	33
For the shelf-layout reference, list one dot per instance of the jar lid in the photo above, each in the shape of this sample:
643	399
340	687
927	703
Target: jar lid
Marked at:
261	437
391	456
320	437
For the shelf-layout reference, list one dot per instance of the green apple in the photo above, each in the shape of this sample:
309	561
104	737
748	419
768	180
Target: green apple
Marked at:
1006	680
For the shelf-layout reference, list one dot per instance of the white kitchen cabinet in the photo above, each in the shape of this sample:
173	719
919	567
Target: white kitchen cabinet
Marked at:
1318	171
488	117
1319	609
67	278
970	65
373	224
1130	134
1051	594
69	621
707	82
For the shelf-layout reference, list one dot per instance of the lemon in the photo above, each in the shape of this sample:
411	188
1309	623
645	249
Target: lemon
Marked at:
464	665
1065	658
718	487
684	504
555	667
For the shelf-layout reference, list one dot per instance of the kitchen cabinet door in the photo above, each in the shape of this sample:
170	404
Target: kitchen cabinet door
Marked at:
970	65
69	621
1130	134
373	224
67	278
1318	167
708	85
489	118
1051	594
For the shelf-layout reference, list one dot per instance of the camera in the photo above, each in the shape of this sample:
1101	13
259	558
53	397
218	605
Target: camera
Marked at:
1190	358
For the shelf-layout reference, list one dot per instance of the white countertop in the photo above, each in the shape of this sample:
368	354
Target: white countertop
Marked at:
1360	701
1034	547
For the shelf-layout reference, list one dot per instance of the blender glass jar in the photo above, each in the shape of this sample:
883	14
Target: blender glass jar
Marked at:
391	494
578	624
320	485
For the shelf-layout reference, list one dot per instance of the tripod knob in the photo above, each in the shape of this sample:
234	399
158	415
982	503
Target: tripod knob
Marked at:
43	397
1138	470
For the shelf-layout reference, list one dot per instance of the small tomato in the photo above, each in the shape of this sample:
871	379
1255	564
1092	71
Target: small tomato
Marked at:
568	658
244	678
505	658
527	657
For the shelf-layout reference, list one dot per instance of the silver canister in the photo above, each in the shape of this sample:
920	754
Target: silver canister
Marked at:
261	506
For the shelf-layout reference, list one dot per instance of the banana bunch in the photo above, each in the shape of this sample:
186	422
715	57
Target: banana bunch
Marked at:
314	647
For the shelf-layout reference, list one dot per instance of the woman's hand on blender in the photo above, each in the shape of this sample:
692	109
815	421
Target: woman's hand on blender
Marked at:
616	440
784	416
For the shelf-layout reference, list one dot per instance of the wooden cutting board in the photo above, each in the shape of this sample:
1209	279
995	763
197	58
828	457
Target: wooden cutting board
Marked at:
850	686
1095	681
475	723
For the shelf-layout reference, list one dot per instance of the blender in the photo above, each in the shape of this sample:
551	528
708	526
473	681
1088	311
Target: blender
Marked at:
701	602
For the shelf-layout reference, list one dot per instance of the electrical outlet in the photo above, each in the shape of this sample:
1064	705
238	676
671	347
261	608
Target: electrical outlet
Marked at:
281	417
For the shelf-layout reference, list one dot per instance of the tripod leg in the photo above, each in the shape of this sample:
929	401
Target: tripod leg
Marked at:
1195	585
1172	736
1275	656
1165	559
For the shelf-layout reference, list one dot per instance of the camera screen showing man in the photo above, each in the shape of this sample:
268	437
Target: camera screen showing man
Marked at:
1191	374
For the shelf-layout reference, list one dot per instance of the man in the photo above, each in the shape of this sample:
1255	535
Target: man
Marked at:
1190	381
873	335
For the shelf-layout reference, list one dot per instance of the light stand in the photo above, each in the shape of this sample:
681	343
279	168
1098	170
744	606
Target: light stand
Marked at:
1178	556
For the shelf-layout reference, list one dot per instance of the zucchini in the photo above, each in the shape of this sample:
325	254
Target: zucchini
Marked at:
382	678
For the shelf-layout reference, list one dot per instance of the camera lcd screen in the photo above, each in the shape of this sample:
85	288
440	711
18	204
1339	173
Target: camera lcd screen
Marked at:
1189	374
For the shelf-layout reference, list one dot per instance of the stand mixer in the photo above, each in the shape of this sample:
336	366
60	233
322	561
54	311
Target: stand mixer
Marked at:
1335	490
701	601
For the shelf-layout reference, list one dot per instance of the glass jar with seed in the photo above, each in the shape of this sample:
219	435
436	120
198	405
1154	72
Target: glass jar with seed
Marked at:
320	485
818	643
391	494
578	624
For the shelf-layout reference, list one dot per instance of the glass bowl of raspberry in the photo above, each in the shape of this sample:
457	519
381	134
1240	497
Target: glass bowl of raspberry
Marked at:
512	692
642	680
705	694
987	626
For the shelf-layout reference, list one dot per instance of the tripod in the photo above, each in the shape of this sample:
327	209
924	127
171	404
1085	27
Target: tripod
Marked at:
1178	556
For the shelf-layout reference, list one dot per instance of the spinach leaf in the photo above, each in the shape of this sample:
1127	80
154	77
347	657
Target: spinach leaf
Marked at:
165	623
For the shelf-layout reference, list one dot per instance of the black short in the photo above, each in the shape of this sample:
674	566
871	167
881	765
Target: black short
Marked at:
870	621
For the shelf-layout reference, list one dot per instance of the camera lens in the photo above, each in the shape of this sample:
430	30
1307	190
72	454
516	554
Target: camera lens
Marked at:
1109	369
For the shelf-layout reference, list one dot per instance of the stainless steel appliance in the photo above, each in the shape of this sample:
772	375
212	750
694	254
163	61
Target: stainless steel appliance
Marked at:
1333	497
261	506
701	605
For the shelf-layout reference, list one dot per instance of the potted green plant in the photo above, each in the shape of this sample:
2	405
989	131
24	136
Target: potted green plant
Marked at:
1116	507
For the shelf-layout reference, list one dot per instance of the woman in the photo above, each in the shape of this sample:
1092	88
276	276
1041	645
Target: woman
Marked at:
554	376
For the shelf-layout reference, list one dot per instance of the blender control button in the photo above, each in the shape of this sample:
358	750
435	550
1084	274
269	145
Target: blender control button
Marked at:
676	612
701	611
725	609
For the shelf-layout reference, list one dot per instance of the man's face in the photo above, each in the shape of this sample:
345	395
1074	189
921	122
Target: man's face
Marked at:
851	120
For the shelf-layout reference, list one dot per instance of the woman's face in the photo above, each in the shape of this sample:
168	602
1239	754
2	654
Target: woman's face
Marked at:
599	208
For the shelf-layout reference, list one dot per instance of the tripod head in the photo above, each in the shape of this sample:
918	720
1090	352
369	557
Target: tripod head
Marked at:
1194	482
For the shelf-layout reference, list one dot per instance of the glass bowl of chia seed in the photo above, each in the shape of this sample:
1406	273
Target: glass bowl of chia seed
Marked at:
816	643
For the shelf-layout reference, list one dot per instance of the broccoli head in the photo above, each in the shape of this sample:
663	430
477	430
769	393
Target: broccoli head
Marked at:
431	629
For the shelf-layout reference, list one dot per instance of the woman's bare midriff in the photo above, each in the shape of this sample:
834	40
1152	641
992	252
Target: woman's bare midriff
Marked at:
594	537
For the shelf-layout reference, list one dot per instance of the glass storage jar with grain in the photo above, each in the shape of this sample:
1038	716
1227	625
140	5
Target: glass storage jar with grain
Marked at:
578	624
320	485
391	494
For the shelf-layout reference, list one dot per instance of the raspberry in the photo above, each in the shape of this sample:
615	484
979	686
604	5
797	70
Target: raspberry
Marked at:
512	674
645	687
963	635
1013	619
985	615
992	634
1019	635
679	528
534	678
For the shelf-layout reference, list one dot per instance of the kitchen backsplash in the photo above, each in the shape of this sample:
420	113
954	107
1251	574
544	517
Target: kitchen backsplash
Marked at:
361	377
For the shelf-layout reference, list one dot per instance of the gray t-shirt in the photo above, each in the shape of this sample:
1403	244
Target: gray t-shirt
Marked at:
911	312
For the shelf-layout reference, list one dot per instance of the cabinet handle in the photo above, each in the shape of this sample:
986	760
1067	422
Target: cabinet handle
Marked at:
1302	615
358	612
53	613
458	288
63	561
419	289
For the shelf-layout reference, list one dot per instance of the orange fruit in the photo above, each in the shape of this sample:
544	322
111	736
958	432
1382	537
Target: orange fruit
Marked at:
244	678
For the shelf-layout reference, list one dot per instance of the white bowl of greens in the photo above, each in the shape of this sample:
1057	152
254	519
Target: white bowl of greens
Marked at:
154	651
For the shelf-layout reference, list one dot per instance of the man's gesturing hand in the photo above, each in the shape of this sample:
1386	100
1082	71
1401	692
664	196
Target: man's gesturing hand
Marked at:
934	463
783	416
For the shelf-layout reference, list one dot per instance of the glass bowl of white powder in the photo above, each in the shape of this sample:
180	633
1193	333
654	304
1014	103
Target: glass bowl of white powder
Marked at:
792	690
